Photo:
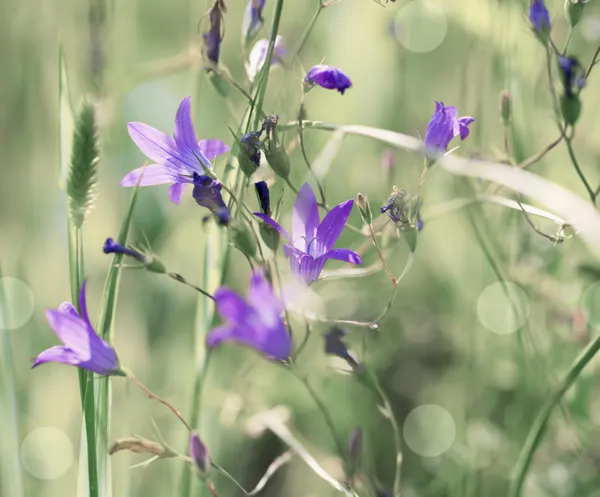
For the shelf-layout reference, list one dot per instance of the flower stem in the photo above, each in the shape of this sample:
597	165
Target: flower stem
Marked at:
379	253
181	279
152	395
578	169
312	172
592	63
536	433
308	30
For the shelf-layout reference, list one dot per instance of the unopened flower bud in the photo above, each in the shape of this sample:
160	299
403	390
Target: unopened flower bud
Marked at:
249	154
570	106
574	11
365	208
505	107
199	454
242	238
278	159
354	448
270	236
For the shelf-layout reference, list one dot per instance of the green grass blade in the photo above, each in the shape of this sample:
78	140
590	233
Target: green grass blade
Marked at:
11	458
66	120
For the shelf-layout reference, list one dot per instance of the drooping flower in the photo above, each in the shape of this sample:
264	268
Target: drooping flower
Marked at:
264	197
312	240
214	36
82	347
199	454
253	18
443	127
207	193
328	77
177	159
258	55
112	247
255	322
539	17
334	345
268	234
573	74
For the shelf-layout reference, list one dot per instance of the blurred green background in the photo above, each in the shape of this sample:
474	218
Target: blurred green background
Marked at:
138	59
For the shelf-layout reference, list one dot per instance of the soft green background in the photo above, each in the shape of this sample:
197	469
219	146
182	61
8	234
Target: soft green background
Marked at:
431	349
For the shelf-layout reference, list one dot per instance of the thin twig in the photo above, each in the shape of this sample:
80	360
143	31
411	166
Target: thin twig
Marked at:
181	279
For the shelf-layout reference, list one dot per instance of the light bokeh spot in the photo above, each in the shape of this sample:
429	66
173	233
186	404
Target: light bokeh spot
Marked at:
590	305
429	430
503	307
17	303
421	26
47	453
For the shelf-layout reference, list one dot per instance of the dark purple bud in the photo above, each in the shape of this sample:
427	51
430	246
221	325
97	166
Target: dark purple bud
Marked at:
249	155
207	193
572	74
334	345
264	198
253	19
354	449
199	454
540	19
112	247
328	77
213	37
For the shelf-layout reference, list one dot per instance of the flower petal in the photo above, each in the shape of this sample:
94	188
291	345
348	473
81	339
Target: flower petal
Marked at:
331	227
463	126
305	218
346	255
262	298
184	133
154	174
304	266
275	225
232	308
176	192
83	304
275	343
213	148
59	353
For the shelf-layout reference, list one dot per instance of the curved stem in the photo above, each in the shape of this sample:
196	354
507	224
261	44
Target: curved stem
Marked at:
536	433
152	395
578	169
303	150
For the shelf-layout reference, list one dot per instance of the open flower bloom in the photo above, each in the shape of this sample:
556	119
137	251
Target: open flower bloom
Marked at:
176	159
255	322
311	242
328	77
81	346
258	55
443	127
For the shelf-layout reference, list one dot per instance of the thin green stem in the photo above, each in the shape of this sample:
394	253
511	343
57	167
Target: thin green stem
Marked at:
593	62
568	42
312	172
181	279
537	430
308	30
582	177
397	437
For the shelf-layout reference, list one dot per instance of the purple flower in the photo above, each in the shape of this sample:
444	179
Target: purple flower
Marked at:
312	240
255	322
81	346
213	37
258	54
539	16
253	19
207	193
264	197
112	247
177	159
443	126
334	345
328	77
199	453
573	74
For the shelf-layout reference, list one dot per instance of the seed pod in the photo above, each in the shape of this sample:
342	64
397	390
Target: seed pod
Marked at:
365	209
505	107
242	238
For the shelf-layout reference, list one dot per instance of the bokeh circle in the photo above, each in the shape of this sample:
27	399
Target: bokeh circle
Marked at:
421	26
503	307
429	430
47	453
17	303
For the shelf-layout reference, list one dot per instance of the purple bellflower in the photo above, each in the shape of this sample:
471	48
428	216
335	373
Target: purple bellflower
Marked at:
82	347
443	127
178	160
573	74
214	36
334	345
253	19
255	322
112	247
328	77
312	240
199	454
258	55
539	17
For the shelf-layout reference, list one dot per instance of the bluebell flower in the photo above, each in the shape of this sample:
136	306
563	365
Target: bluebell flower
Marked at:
443	126
82	347
214	36
176	159
255	322
199	454
334	345
264	198
328	77
207	193
312	240
258	55
253	18
112	247
539	17
573	74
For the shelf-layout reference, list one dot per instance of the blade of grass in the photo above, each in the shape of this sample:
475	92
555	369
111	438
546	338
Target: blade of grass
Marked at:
14	485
